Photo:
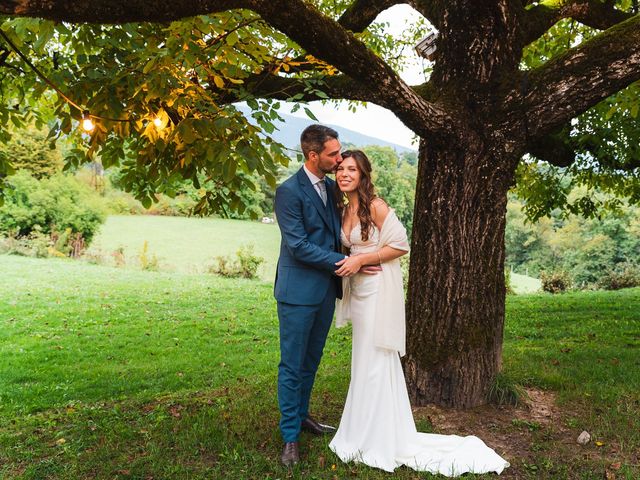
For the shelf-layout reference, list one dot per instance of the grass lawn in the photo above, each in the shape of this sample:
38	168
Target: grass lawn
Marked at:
524	284
187	245
112	373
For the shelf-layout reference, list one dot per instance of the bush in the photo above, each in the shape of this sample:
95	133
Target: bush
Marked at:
404	266
245	265
55	204
35	244
555	282
148	262
28	149
625	275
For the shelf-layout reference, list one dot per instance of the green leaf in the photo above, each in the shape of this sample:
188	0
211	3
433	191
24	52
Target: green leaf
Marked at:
310	114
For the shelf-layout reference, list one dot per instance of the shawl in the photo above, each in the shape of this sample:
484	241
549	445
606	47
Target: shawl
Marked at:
389	326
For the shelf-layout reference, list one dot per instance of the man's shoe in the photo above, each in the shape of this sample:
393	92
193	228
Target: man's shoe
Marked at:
290	455
311	426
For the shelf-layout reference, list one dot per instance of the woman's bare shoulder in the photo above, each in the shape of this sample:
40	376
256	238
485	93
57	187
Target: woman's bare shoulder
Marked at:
379	211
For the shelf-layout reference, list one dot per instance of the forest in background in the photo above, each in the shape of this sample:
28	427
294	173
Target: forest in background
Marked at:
49	210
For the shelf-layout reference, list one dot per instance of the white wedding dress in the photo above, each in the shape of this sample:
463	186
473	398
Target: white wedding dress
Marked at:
377	426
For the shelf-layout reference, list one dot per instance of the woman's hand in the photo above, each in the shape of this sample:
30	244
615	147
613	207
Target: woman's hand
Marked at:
349	266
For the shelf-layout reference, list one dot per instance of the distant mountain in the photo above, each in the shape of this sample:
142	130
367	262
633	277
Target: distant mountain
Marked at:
288	133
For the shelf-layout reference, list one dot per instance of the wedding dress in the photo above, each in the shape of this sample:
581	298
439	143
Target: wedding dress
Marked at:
377	426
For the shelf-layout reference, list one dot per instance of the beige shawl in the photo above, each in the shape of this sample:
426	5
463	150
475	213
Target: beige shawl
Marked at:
389	327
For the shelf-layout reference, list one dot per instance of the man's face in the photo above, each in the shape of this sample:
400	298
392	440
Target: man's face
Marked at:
327	160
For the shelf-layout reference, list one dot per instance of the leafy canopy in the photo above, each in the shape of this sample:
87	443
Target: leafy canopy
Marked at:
162	96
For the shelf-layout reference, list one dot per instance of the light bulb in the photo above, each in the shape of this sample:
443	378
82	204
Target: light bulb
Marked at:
87	122
157	122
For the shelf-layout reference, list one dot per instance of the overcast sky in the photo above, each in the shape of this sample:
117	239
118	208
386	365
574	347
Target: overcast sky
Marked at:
374	120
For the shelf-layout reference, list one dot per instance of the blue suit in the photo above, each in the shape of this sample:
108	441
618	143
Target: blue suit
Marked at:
306	288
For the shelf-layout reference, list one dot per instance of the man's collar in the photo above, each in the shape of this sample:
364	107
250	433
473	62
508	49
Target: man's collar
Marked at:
313	178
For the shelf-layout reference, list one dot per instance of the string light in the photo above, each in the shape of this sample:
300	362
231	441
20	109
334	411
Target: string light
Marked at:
157	122
87	121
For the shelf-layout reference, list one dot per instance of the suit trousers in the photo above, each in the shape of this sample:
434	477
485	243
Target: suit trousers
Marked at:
303	333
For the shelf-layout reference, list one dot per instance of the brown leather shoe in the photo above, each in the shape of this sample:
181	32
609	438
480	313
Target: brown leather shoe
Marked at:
290	455
311	426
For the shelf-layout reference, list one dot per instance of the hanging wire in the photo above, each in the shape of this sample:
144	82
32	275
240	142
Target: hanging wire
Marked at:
53	85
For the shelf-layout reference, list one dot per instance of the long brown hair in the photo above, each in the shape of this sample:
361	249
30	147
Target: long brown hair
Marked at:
366	192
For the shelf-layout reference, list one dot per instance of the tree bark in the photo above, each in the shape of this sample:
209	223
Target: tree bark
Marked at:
456	307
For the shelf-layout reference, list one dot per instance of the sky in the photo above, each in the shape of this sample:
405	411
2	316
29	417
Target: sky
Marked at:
372	119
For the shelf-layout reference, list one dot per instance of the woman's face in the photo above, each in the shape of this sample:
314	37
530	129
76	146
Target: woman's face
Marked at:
348	175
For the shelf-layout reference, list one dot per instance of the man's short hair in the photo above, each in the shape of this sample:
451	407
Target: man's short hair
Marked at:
313	137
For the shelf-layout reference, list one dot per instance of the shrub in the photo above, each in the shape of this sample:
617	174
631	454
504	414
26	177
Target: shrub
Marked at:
28	149
555	282
55	204
404	266
625	275
118	257
36	244
245	265
148	262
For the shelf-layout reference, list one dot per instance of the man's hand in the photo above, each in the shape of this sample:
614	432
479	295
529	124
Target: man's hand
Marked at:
371	269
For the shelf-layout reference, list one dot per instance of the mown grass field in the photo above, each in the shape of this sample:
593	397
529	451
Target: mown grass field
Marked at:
112	373
189	245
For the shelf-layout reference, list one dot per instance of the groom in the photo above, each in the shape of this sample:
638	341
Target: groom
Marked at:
306	285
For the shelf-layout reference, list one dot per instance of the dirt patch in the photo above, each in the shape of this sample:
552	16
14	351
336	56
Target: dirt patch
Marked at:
524	435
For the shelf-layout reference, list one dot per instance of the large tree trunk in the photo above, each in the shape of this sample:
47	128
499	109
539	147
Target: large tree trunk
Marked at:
456	307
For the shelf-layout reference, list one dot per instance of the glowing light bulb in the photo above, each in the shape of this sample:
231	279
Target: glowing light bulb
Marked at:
87	122
157	122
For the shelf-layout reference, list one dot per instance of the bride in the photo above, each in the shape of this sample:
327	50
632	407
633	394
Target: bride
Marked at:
377	426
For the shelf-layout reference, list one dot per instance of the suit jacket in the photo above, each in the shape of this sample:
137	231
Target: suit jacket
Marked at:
310	244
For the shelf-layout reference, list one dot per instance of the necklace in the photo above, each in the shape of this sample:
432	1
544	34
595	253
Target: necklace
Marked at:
351	210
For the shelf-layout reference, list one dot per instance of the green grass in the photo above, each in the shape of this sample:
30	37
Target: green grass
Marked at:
116	373
524	284
187	245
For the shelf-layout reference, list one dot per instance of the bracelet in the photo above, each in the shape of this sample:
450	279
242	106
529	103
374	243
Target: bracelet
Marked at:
379	259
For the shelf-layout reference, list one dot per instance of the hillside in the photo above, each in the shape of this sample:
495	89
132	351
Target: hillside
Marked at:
288	133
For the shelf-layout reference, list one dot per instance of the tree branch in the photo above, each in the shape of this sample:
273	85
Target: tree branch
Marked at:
116	11
319	35
593	13
325	39
575	81
362	13
432	10
267	85
554	148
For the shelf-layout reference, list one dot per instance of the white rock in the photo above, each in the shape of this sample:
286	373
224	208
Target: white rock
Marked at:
584	438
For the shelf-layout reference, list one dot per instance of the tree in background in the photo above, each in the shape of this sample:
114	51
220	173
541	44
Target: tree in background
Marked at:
395	181
50	205
587	249
510	78
28	149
